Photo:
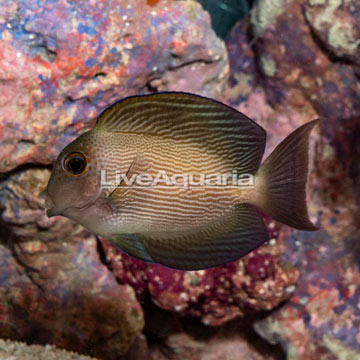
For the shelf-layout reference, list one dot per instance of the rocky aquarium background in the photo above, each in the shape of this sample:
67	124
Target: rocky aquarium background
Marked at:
285	63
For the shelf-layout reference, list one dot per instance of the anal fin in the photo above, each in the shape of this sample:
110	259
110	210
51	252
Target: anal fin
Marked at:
221	241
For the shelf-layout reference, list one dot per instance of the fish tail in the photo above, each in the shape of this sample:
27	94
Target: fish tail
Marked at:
281	180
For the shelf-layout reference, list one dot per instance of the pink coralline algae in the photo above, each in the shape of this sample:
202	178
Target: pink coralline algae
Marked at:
307	62
259	281
62	62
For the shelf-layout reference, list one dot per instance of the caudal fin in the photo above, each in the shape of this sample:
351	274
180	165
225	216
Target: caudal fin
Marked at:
281	180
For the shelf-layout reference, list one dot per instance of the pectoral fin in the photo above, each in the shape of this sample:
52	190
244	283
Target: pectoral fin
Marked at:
121	192
222	241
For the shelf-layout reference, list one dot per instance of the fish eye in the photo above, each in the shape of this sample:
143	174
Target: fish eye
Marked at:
75	163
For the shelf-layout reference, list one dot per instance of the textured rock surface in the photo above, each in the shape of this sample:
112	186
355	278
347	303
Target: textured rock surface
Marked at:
322	318
290	75
11	350
188	340
336	24
222	345
63	61
299	72
62	286
56	290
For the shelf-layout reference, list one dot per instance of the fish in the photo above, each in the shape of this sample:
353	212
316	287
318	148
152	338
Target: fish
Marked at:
202	211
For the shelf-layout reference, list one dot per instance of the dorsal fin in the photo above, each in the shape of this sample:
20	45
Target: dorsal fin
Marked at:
191	118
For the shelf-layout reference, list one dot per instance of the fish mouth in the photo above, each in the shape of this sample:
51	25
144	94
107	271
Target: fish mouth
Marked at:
49	204
52	210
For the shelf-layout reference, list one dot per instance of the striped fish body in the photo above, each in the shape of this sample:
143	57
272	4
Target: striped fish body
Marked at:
179	225
166	207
